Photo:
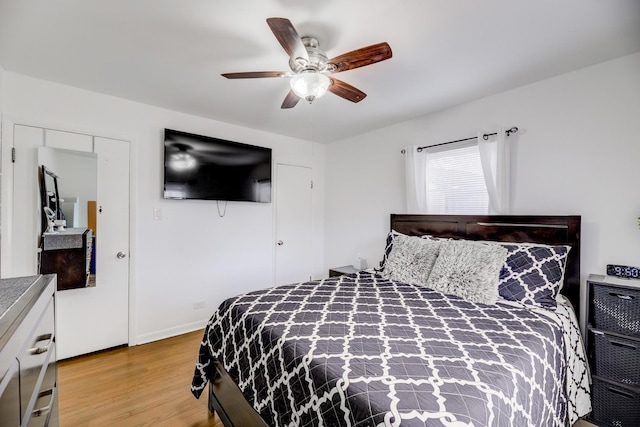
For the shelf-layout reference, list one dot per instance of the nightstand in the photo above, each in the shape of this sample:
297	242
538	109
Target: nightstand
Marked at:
339	271
613	349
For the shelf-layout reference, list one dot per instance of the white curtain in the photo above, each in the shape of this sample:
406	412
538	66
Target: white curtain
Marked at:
496	159
416	181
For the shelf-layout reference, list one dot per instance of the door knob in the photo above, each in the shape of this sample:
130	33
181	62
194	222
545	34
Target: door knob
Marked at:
280	243
121	255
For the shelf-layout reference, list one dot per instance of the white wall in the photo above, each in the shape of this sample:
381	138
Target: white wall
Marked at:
192	254
577	152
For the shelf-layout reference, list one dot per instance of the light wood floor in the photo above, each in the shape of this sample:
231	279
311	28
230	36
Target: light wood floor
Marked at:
146	385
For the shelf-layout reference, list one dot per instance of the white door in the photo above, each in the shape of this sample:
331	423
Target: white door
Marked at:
92	318
294	262
21	258
95	318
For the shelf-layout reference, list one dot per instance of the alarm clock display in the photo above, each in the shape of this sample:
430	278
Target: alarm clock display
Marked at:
623	271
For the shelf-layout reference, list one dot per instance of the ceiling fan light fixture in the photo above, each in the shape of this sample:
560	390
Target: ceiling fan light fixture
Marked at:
310	65
310	85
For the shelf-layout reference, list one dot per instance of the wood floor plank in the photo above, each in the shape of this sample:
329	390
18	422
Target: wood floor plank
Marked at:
146	385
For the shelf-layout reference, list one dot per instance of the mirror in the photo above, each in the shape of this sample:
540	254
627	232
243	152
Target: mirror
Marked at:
72	177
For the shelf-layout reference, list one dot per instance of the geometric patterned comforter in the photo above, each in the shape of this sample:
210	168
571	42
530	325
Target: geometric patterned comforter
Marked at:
362	350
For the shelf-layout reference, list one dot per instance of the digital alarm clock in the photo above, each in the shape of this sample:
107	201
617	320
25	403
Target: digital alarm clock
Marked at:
623	271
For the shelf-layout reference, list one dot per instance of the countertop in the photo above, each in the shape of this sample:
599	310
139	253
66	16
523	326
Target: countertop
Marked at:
17	295
69	238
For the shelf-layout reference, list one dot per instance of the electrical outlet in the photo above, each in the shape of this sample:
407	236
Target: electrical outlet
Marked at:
157	214
199	304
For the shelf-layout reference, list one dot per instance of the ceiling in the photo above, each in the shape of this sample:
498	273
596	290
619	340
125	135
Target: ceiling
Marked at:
170	53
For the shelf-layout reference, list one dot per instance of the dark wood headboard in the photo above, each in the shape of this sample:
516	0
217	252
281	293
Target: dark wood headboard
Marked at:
550	230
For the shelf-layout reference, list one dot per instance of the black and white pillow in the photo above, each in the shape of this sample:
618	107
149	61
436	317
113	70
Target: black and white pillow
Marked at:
387	248
533	274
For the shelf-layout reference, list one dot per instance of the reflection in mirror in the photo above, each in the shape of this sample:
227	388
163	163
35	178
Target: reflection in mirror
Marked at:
77	180
50	199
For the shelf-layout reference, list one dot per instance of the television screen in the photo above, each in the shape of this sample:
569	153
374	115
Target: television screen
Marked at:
207	168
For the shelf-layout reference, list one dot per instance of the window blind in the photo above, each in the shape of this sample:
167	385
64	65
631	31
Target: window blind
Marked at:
455	183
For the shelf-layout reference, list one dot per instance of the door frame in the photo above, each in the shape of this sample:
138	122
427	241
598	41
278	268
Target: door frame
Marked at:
7	139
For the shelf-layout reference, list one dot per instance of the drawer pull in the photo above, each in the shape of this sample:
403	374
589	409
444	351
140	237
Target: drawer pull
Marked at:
620	392
45	409
41	349
623	344
622	296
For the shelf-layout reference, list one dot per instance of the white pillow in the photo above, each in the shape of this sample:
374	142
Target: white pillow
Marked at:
411	259
468	269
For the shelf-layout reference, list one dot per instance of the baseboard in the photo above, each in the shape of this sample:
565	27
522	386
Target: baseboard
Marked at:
171	332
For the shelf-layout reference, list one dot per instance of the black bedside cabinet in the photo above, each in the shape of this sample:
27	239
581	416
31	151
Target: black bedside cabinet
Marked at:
613	349
339	271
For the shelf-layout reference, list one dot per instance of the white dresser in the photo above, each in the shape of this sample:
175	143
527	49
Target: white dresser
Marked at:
28	376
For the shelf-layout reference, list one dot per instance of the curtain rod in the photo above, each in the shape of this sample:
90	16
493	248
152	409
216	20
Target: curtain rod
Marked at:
484	136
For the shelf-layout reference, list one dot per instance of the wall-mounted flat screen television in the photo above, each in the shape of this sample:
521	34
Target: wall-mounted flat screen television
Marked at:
207	168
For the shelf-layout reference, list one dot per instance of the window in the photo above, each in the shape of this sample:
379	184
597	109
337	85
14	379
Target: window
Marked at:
455	183
467	177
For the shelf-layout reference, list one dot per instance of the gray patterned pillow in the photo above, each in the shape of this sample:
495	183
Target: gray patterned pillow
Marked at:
411	259
468	269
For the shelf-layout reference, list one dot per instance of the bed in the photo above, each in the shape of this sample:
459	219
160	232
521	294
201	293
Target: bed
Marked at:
367	349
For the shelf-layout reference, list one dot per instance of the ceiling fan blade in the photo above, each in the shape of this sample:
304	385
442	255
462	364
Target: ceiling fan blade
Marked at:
255	74
346	91
361	57
290	100
288	37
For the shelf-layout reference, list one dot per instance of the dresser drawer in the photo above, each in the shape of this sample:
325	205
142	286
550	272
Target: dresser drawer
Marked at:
45	408
616	309
617	358
615	404
38	352
10	397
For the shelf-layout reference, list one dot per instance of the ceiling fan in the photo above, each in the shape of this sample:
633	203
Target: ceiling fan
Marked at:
310	66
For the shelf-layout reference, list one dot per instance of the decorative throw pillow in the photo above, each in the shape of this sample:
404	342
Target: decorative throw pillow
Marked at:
391	237
387	248
468	269
532	273
411	259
